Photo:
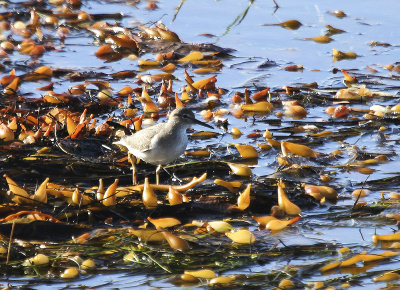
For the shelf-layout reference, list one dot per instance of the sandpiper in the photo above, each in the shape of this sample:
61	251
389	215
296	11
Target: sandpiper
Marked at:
162	143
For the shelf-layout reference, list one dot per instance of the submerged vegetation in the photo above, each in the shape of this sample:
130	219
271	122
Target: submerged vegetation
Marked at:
295	187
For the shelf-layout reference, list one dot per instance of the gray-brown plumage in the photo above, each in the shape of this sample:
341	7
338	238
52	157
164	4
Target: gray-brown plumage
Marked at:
164	142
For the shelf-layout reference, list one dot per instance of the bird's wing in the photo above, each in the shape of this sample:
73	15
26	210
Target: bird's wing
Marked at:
141	140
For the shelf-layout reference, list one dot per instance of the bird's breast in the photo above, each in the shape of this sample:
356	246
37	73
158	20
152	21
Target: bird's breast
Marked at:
166	148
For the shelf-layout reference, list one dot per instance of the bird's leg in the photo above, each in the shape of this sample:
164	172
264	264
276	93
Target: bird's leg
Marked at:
132	159
158	174
173	176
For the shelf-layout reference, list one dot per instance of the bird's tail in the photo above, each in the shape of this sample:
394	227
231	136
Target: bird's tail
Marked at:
120	142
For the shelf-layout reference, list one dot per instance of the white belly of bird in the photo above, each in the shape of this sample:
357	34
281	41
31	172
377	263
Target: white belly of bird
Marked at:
164	154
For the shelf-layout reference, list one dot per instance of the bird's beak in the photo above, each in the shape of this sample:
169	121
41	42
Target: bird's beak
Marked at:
195	121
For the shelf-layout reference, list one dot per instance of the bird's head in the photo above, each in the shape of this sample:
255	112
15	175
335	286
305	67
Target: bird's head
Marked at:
186	116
